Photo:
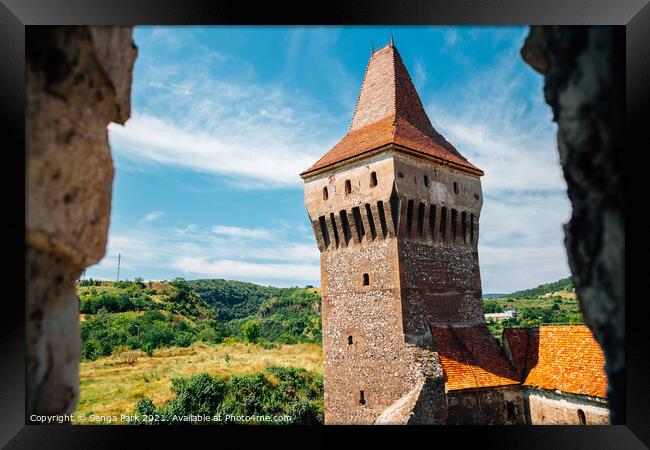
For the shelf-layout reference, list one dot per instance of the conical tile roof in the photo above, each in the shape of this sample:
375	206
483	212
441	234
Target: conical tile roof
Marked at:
389	111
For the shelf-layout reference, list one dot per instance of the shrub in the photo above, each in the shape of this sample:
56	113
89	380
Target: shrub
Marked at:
274	391
251	331
125	355
148	348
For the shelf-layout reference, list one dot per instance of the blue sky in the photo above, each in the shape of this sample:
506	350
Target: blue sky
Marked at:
225	118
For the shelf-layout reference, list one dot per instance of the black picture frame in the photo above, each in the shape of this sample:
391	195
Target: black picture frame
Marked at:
15	15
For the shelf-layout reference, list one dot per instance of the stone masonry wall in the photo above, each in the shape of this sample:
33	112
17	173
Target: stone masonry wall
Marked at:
371	316
438	257
551	408
391	262
78	80
489	406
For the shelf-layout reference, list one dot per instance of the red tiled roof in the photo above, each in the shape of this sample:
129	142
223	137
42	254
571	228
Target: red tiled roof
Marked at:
566	358
389	111
471	358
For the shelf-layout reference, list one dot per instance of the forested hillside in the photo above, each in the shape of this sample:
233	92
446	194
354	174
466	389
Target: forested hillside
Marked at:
134	315
547	304
565	284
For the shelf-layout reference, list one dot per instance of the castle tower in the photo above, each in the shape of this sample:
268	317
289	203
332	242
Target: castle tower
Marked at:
395	211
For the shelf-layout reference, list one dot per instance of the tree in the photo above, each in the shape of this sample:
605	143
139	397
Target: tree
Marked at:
251	331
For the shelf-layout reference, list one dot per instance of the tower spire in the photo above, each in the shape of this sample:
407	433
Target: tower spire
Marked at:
372	48
392	44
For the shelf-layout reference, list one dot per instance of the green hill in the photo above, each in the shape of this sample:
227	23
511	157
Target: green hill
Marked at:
134	315
565	284
547	304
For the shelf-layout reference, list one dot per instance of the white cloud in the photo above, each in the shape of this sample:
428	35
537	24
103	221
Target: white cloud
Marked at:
269	156
512	268
213	268
419	73
218	251
248	233
192	116
152	216
500	122
451	37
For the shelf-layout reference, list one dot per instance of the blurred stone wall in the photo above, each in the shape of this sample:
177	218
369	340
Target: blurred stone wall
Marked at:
78	80
584	83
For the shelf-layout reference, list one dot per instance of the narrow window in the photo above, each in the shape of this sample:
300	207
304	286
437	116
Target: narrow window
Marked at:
454	224
325	193
373	179
581	417
471	228
400	174
335	230
366	279
476	196
409	217
362	400
382	218
510	409
347	233
349	340
432	222
426	181
421	219
324	231
443	223
358	223
371	222
395	206
348	187
455	188
463	225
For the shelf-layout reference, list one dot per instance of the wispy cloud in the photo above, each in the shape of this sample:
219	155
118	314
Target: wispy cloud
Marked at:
249	233
231	125
499	121
269	256
419	73
247	270
255	149
153	215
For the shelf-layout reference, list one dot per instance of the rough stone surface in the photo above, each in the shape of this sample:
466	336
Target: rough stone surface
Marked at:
376	337
584	73
490	406
78	80
555	408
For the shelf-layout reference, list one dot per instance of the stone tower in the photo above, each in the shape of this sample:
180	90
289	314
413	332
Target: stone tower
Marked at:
395	210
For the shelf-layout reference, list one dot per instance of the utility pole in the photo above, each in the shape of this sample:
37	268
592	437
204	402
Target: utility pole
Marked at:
119	257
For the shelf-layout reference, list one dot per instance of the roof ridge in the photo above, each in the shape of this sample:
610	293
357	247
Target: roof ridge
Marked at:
356	105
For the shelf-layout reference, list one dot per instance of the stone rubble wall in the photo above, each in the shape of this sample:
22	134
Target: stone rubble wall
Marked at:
584	83
553	408
78	81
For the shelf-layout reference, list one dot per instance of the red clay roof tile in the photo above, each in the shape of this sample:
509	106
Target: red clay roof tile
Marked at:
389	111
471	358
566	358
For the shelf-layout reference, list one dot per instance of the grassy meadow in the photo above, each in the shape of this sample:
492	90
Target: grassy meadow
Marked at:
112	385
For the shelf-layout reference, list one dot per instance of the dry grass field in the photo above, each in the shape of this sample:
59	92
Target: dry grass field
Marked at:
112	385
